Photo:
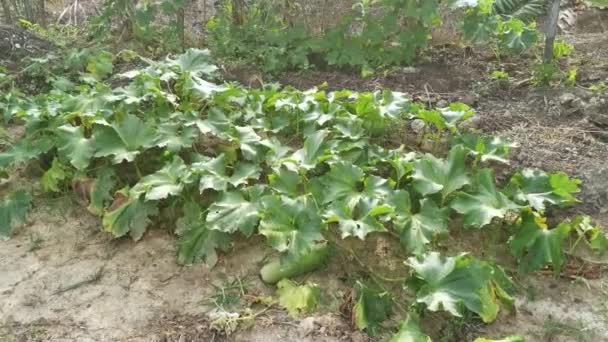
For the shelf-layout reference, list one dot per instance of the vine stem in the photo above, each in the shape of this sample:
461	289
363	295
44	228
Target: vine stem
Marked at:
137	170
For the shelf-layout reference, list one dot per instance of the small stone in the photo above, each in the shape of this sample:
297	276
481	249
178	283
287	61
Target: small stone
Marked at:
357	336
469	100
307	326
418	126
471	123
566	99
442	103
410	70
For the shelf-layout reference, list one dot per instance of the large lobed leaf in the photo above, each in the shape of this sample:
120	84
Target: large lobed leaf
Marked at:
454	284
433	175
198	242
537	188
484	204
536	246
291	225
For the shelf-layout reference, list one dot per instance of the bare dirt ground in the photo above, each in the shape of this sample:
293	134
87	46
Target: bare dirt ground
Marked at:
63	279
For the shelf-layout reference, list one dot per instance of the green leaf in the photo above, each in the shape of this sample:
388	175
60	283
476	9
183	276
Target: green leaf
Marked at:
285	182
168	181
410	331
232	213
100	192
563	186
248	141
595	237
75	146
484	204
13	211
488	148
345	182
313	152
479	27
372	308
432	117
516	36
535	246
100	64
25	150
175	136
455	283
290	225
296	299
128	214
359	220
196	241
123	140
341	182
432	175
54	177
216	176
536	188
194	61
416	231
455	113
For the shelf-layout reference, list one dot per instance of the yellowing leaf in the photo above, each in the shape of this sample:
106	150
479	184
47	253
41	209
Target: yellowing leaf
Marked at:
296	299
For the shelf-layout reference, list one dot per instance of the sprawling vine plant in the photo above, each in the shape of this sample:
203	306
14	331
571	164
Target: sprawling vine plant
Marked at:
303	169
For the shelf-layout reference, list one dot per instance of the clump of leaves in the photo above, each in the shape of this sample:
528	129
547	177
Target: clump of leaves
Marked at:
300	169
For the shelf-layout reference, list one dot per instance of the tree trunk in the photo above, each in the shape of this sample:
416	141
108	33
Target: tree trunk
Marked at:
551	29
238	6
6	8
41	13
181	26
